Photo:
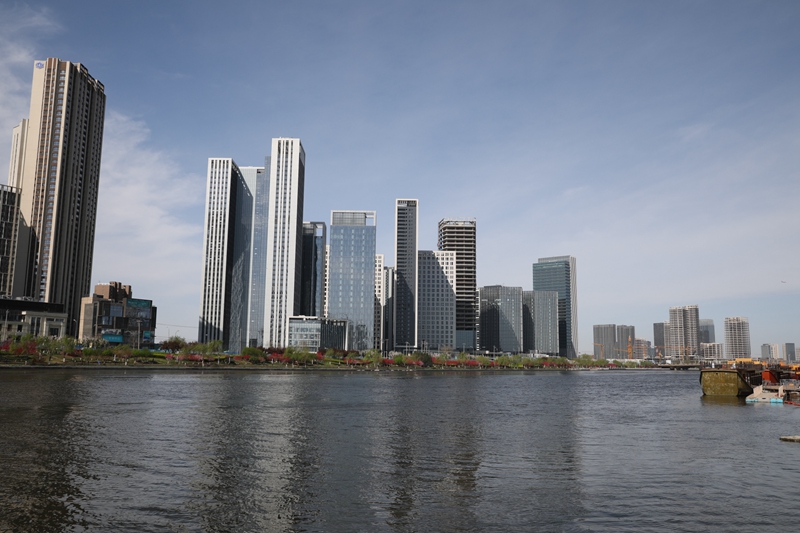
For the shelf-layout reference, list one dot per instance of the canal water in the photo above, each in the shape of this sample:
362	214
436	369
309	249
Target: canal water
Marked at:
138	450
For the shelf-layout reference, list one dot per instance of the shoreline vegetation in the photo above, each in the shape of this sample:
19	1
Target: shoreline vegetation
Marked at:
176	353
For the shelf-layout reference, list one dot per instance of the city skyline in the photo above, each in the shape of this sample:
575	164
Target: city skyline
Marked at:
595	147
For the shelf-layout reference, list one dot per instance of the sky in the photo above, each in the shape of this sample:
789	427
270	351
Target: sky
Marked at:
657	142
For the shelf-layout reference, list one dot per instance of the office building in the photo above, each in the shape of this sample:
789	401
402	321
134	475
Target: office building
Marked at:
459	236
438	288
661	339
559	274
705	331
56	166
317	334
351	288
712	352
388	309
257	180
737	337
501	318
683	332
626	341
312	292
9	231
380	300
284	238
545	322
112	313
605	341
405	254
789	353
225	289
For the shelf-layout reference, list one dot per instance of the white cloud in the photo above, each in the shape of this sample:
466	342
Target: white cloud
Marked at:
149	224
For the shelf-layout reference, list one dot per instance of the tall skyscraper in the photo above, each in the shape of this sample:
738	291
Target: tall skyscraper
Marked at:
380	301
312	297
559	274
684	324
737	337
437	299
626	341
705	332
405	254
459	236
605	341
257	180
58	176
351	288
225	292
501	318
388	308
284	238
9	231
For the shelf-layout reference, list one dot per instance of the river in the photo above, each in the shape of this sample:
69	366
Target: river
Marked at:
144	450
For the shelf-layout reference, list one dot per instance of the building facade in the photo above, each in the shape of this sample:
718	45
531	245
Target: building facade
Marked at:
351	288
605	341
737	337
257	180
9	233
225	290
405	254
789	352
284	238
438	289
684	324
545	322
660	339
58	176
388	308
317	334
115	315
460	236
559	274
312	297
501	318
705	331
712	352
626	341
380	301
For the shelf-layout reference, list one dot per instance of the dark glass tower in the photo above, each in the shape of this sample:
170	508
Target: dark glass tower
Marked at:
459	236
558	274
312	288
405	253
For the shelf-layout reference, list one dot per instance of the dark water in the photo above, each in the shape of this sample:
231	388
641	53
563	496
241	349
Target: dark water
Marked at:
579	451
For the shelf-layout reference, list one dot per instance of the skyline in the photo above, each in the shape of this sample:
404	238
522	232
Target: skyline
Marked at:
660	138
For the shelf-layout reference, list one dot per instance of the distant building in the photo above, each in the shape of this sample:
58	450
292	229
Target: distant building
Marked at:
737	337
626	342
501	318
380	301
312	287
351	278
559	274
317	334
660	339
641	349
545	322
683	332
405	256
388	309
605	341
789	353
712	352
257	180
115	315
26	317
437	300
770	352
459	236
705	331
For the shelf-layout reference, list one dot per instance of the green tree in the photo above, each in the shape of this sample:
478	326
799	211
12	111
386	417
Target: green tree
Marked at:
173	344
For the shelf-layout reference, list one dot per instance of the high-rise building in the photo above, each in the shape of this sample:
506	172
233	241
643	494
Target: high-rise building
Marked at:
257	180
626	341
312	288
351	286
459	236
405	253
284	238
712	352
661	339
501	318
770	352
789	352
225	290
641	349
605	341
559	274
9	231
737	337
545	322
380	301
705	331
683	327
58	175
528	313
388	308
438	287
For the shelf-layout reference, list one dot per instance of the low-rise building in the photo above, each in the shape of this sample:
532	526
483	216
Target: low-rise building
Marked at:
23	317
115	315
317	334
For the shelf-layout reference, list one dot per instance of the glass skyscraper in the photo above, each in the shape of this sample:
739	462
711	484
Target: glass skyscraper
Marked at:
405	256
312	291
351	275
558	274
501	318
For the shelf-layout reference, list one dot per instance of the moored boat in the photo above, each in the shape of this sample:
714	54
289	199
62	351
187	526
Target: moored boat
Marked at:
725	382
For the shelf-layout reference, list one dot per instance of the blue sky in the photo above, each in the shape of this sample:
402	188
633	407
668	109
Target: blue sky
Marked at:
658	142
